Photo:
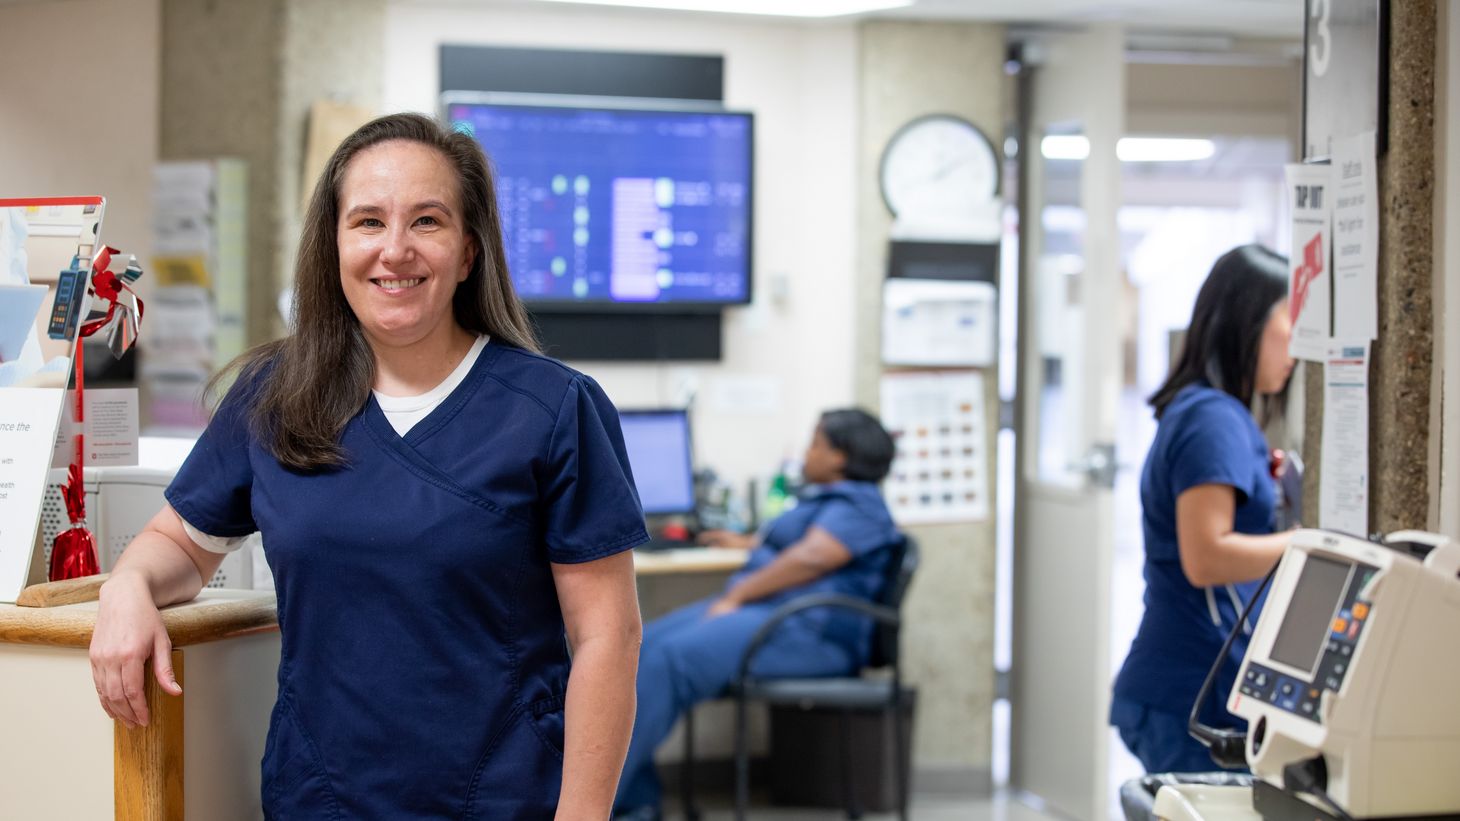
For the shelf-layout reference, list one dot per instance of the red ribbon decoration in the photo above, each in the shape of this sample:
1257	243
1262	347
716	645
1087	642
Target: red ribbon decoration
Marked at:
73	554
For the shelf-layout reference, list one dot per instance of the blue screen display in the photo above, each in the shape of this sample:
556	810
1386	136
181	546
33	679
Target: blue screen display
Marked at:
658	446
610	206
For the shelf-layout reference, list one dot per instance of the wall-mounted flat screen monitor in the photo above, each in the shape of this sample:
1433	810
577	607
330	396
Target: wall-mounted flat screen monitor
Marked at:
620	208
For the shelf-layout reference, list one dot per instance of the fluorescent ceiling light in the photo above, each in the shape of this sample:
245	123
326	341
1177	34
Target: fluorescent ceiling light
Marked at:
780	8
1130	149
1163	149
1064	147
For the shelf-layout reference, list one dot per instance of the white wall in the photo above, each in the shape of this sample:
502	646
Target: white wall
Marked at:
794	344
78	108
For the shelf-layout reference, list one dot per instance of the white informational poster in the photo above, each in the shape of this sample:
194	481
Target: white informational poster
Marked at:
1355	239
938	323
1343	496
940	473
1309	267
111	429
27	432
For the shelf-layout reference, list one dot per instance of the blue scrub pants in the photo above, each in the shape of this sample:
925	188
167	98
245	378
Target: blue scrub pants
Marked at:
1159	739
687	658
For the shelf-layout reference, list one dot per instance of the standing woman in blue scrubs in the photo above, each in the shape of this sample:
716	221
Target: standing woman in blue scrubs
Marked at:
446	513
1207	508
837	539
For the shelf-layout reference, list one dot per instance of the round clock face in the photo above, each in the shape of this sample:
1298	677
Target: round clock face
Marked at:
939	166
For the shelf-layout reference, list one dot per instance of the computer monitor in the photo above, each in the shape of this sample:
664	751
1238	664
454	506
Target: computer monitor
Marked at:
658	442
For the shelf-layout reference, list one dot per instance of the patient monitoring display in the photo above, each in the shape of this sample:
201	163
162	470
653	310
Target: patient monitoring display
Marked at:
617	207
1306	624
658	443
1348	684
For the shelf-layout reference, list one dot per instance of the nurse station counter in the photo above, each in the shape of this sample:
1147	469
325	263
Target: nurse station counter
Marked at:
199	756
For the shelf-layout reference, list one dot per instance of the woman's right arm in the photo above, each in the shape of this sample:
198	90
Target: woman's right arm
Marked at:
161	566
1212	552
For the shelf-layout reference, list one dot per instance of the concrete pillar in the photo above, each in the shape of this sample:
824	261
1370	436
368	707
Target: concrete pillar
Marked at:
237	81
1401	371
909	70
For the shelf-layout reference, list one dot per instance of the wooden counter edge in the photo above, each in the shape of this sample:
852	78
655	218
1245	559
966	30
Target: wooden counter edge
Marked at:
690	560
59	594
188	623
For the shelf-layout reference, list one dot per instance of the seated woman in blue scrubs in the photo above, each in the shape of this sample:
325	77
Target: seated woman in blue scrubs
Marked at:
1207	508
837	539
440	505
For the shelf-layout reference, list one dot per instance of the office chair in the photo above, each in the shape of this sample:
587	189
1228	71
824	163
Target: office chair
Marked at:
846	693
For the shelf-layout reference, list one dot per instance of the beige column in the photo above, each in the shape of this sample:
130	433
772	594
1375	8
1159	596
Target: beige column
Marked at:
909	70
1401	373
237	81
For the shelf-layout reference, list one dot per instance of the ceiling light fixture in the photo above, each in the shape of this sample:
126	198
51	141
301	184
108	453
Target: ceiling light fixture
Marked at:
779	8
1164	149
1130	149
1064	147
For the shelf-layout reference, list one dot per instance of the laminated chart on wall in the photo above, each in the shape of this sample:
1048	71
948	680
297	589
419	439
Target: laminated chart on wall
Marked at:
1343	488
938	420
938	323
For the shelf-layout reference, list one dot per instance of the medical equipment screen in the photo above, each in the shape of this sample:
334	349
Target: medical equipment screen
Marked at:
1310	612
605	206
659	454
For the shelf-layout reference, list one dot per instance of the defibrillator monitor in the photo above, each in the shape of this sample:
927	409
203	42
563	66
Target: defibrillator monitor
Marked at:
1320	616
658	442
1353	661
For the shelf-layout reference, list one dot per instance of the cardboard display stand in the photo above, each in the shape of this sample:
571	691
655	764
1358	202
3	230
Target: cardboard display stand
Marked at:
44	243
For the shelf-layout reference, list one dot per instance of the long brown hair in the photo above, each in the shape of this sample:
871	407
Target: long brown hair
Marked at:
319	376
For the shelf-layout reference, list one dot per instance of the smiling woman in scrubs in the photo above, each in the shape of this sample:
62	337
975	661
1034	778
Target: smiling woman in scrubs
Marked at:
439	504
1207	508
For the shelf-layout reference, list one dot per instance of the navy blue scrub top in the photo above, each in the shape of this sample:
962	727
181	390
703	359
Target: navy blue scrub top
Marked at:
1205	436
856	515
424	659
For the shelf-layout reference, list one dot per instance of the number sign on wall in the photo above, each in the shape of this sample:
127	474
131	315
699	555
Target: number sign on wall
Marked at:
1345	55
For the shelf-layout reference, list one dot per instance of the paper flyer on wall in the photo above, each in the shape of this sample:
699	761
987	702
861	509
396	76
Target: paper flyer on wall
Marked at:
940	473
1309	267
939	323
1355	238
1343	487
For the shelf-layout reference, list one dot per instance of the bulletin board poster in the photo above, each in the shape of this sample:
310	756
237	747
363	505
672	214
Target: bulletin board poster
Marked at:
1310	268
940	472
46	246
